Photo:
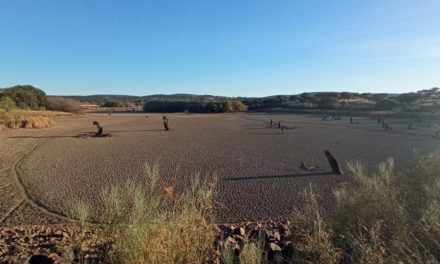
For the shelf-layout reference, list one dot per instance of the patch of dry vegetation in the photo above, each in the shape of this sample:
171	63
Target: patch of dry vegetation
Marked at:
311	233
24	119
64	105
156	225
28	119
253	252
379	218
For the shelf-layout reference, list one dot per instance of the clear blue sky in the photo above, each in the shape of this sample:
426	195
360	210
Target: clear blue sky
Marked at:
221	47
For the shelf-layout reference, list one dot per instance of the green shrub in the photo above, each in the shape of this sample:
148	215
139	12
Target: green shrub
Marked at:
27	96
7	103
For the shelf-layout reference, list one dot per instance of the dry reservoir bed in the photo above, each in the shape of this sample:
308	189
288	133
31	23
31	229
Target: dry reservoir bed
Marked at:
257	167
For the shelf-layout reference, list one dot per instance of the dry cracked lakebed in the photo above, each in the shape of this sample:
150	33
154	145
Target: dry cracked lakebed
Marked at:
257	167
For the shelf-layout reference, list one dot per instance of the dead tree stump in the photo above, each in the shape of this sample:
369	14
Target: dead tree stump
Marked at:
387	127
334	165
99	128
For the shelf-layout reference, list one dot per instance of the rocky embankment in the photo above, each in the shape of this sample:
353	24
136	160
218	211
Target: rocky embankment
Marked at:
70	244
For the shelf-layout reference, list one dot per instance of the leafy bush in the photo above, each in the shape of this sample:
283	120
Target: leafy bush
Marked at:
27	96
112	104
7	103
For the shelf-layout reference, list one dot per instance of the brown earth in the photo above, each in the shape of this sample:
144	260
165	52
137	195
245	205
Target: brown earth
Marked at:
44	171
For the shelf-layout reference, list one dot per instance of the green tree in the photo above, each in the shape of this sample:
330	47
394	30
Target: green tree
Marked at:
379	96
346	96
293	98
27	96
408	98
430	93
7	103
328	100
385	104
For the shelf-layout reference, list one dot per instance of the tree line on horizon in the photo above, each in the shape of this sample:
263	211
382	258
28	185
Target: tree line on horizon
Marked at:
225	106
348	101
30	97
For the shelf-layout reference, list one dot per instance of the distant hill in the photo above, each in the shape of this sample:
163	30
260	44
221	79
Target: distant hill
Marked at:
141	100
101	98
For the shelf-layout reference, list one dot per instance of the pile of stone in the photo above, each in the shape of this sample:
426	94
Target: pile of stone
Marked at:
69	244
275	237
57	244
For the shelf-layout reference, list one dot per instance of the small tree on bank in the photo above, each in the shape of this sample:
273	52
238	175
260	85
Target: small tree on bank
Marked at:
7	103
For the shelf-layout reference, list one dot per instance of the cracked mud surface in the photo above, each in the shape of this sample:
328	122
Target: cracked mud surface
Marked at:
257	167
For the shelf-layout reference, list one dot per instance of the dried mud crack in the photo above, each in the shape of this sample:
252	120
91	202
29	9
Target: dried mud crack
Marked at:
25	194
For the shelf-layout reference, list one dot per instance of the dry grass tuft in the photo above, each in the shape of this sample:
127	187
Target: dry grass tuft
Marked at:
385	217
147	229
369	200
380	218
312	234
253	252
26	119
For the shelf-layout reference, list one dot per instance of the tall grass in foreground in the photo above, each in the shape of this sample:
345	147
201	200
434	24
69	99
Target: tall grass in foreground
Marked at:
311	234
380	218
152	224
